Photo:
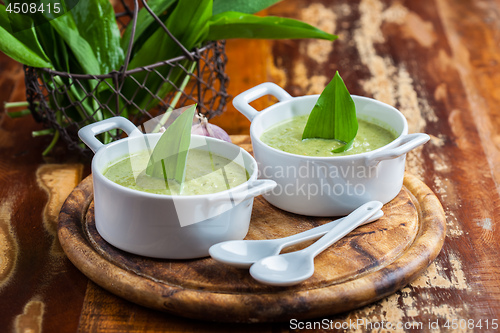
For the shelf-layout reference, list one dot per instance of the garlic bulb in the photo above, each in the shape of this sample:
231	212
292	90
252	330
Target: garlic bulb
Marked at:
206	129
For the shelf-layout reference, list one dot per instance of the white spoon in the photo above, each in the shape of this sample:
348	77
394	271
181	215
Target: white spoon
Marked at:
292	268
244	253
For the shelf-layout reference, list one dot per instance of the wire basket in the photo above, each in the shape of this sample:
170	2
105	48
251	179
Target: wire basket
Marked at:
55	104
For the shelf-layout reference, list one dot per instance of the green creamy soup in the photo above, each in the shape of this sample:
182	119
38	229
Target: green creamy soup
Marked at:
205	173
287	136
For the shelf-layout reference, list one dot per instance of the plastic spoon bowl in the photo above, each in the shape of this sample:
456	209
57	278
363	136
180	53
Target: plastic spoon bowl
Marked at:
244	253
292	268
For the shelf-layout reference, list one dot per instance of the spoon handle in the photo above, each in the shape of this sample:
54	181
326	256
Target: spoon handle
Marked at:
317	232
349	223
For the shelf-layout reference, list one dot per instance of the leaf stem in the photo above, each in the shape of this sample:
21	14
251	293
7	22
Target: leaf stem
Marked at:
52	144
175	100
18	114
10	105
42	132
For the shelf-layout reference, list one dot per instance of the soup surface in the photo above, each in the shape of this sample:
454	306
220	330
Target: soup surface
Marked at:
287	136
205	173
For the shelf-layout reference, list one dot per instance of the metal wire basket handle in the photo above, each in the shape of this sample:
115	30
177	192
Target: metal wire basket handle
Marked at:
208	90
124	67
157	19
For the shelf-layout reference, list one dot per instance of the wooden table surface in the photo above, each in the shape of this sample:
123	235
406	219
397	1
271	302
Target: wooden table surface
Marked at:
438	61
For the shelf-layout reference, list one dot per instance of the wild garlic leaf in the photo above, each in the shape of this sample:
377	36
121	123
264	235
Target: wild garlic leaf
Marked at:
65	26
229	25
96	23
22	46
189	23
169	156
145	21
244	6
333	116
345	147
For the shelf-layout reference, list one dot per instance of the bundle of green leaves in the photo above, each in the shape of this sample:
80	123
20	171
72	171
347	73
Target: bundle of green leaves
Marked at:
83	37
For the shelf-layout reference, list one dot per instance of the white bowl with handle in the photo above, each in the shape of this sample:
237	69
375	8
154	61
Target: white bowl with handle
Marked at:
327	186
167	226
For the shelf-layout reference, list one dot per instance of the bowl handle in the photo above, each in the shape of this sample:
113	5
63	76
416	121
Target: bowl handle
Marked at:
253	189
407	142
243	100
88	133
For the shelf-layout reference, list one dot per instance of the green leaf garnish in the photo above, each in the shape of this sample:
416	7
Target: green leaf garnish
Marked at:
333	115
169	156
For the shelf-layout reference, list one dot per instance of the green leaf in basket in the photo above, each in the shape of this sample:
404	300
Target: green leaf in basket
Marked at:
54	46
169	156
22	46
240	25
65	26
188	22
243	6
96	23
333	116
145	23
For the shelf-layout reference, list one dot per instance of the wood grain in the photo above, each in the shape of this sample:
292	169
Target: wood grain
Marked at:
370	263
436	60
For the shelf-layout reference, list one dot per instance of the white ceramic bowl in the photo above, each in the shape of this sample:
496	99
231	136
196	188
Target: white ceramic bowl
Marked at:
165	226
327	186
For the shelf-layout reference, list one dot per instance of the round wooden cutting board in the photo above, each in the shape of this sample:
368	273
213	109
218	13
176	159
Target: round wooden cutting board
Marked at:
371	262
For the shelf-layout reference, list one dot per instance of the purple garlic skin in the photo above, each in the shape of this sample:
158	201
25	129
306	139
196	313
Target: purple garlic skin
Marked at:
206	129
